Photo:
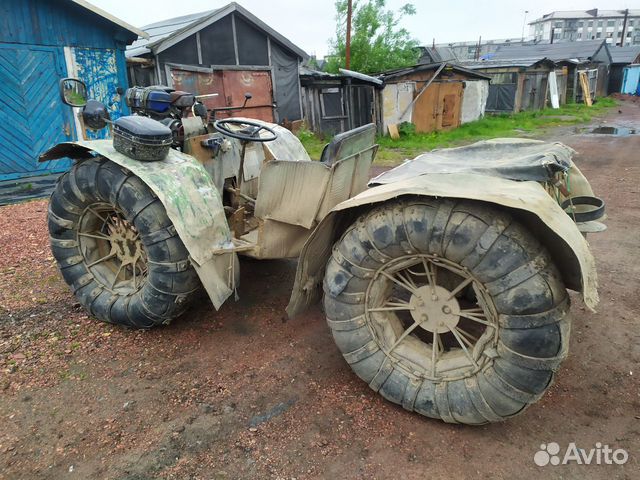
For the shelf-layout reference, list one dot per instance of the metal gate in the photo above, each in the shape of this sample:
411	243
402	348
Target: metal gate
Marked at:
32	116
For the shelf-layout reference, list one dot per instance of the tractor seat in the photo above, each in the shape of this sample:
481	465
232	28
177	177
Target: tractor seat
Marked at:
182	99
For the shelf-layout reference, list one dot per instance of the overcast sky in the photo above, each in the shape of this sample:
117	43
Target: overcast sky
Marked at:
311	23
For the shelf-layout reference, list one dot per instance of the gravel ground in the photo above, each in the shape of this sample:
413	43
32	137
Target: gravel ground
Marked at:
246	393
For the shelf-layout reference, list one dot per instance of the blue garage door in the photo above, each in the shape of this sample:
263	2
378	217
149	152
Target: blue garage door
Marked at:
32	116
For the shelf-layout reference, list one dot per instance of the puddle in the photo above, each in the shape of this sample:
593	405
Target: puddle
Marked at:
618	131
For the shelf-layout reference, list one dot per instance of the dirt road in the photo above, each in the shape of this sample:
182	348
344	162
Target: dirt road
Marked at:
246	393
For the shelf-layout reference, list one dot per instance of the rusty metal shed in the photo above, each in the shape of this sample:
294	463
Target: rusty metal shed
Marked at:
431	96
228	51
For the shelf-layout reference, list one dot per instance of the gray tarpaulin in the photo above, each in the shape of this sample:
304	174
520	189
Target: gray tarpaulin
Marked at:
287	84
511	158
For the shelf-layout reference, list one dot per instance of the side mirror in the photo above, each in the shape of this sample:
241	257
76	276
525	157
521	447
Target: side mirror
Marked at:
73	92
95	115
200	110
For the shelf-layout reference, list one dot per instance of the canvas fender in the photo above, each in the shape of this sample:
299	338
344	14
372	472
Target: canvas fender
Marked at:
192	202
527	201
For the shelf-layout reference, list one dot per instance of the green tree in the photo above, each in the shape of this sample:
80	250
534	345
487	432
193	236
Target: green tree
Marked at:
378	42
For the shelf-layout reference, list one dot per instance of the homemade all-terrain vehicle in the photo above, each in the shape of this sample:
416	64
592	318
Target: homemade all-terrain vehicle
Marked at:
445	282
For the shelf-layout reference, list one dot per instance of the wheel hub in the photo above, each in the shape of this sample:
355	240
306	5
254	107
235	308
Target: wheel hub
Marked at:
125	243
435	309
432	316
112	248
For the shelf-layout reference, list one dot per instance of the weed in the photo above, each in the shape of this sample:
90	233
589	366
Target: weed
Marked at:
313	143
407	128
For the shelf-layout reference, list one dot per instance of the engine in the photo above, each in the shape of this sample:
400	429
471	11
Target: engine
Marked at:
164	104
158	101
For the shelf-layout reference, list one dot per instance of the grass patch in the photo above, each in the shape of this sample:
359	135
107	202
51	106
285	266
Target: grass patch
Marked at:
313	143
409	145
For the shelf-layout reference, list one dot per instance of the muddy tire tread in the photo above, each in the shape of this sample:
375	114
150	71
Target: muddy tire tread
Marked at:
171	283
532	305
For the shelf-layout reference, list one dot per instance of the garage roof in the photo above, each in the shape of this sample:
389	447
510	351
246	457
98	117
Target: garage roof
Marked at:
111	18
624	54
401	72
584	50
167	33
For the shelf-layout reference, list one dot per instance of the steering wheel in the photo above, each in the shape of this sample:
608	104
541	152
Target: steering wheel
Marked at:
249	132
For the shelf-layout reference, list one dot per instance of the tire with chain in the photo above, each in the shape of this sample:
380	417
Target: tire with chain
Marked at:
116	247
449	308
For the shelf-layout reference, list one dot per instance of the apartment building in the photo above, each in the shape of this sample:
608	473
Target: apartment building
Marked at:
617	27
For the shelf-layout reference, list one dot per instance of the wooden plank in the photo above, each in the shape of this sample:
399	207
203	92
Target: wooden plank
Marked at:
517	106
553	90
586	93
393	131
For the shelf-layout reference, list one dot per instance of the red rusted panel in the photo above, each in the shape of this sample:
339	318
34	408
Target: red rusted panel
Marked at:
258	84
231	86
200	83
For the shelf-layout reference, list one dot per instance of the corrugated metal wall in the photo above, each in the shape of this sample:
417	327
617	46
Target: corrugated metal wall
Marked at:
40	43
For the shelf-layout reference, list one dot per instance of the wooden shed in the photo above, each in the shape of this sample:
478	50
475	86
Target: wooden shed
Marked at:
432	96
42	42
591	57
335	103
228	51
518	85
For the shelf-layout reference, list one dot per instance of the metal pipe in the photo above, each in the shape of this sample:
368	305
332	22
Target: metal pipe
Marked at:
624	26
348	43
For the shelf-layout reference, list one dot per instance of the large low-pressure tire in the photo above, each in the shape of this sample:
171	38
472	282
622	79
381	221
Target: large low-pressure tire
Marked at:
451	309
116	248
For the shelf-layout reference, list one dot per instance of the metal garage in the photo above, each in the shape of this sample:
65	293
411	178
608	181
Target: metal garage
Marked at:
228	51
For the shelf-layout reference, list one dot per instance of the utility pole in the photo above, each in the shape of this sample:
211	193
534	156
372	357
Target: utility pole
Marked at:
524	22
624	27
348	45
